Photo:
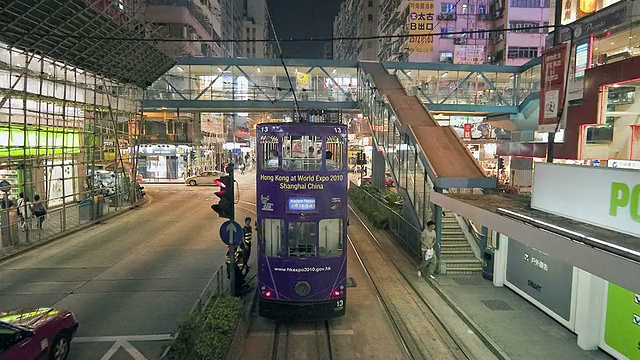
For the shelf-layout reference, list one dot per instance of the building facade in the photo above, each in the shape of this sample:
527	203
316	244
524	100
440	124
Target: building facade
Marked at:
189	20
356	20
458	26
255	26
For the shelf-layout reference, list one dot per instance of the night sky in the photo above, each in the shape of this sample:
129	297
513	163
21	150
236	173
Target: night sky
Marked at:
303	19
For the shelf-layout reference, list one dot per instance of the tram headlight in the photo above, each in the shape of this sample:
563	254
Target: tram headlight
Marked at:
266	292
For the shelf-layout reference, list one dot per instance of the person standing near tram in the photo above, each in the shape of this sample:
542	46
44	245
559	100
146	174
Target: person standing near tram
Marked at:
247	231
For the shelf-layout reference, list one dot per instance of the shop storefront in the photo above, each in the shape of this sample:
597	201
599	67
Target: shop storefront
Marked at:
163	161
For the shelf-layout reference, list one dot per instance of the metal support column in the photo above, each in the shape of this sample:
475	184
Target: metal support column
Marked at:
437	218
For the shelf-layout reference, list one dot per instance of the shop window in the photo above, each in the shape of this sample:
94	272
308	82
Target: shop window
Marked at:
331	238
272	238
600	134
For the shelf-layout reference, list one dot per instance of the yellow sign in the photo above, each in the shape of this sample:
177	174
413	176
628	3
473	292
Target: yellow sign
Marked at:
302	80
421	23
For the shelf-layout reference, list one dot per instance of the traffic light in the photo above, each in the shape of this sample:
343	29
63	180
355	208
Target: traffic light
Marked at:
224	208
500	163
359	159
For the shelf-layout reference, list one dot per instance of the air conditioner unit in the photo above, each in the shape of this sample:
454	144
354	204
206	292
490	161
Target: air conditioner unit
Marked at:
460	41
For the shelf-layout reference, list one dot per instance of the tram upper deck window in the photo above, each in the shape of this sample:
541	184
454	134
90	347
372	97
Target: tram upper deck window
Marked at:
301	153
272	237
269	148
331	239
335	153
302	239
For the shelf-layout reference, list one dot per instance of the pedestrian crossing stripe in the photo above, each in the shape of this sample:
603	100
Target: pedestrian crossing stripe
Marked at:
638	299
636	319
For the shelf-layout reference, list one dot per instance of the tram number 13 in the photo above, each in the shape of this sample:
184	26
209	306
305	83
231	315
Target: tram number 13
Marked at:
339	303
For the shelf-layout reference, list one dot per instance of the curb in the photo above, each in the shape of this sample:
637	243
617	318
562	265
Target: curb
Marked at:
65	233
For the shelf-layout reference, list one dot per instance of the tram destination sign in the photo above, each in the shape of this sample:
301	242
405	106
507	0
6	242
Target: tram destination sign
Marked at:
547	280
302	203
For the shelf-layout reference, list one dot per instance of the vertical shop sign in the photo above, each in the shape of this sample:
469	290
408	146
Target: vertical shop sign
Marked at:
554	65
622	324
467	131
421	23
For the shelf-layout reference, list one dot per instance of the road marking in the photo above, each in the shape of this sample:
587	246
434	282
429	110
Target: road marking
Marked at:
137	355
158	337
111	351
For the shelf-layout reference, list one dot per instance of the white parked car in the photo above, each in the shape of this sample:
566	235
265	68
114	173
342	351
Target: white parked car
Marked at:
204	178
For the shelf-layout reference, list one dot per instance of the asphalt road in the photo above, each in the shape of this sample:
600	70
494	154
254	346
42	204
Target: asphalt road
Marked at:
131	279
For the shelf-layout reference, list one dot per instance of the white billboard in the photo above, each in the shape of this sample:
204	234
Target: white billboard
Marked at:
606	197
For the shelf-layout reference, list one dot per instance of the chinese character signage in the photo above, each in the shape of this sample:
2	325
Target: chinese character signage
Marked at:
554	67
469	54
421	13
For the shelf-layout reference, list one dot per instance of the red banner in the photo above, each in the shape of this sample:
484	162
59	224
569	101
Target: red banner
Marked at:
554	67
467	131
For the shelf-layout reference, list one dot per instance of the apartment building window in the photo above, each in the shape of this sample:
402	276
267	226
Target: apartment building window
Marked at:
370	18
530	3
370	4
482	9
524	26
447	8
482	35
522	52
446	33
369	45
446	57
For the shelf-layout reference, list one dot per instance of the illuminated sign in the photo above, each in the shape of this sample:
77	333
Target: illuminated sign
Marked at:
582	59
302	204
46	140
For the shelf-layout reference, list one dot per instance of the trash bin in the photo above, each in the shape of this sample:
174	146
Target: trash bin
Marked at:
99	200
487	263
85	209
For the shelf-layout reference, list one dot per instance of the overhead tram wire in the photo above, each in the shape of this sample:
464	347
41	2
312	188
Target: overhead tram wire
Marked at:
286	70
312	39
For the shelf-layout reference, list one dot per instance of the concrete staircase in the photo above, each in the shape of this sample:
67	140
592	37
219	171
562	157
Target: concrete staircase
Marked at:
457	256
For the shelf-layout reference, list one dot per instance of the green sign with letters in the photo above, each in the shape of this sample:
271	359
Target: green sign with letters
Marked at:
622	325
624	196
42	141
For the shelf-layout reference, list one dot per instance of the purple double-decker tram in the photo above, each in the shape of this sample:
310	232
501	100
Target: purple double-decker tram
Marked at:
302	220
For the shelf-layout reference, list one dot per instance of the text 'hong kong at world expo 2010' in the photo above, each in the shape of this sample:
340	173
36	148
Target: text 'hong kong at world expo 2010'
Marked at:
302	182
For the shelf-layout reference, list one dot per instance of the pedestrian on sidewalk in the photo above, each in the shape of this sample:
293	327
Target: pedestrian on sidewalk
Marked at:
429	260
246	243
39	210
24	211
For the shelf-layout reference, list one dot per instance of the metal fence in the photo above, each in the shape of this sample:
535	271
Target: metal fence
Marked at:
16	233
405	233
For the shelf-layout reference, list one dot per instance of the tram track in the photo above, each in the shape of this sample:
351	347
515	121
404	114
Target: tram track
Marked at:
413	348
283	348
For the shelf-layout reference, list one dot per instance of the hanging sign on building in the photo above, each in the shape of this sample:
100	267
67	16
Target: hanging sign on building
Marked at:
554	66
421	14
469	54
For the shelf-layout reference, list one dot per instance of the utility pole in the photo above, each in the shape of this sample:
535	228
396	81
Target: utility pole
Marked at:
232	247
557	39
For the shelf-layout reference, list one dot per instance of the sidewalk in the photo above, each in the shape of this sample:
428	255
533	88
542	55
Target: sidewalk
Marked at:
58	223
519	328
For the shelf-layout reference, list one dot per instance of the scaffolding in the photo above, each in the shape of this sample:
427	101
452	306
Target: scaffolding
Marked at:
70	112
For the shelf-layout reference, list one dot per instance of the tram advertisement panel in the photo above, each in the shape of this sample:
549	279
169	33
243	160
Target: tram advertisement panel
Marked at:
302	192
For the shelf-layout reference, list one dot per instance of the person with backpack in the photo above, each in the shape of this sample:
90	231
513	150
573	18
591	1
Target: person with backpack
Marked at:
39	210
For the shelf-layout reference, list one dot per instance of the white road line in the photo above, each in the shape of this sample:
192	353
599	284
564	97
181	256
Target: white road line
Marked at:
137	355
158	337
111	351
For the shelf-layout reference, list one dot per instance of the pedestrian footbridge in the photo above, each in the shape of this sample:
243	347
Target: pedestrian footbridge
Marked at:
397	98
